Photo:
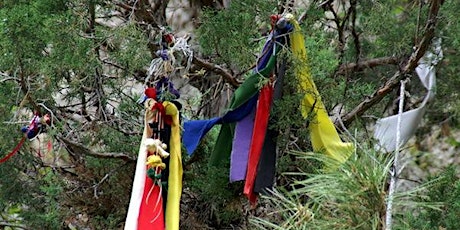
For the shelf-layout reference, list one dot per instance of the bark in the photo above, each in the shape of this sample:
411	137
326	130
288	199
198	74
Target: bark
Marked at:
353	67
227	76
81	150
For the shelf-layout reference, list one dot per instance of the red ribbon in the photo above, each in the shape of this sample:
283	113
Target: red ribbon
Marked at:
167	118
15	150
258	137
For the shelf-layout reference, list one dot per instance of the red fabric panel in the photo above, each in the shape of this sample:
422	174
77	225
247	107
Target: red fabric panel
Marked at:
258	137
151	208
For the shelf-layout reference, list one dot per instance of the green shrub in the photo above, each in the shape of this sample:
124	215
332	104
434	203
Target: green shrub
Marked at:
218	200
447	192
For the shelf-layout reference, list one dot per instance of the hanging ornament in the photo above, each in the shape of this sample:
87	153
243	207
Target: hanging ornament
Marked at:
36	126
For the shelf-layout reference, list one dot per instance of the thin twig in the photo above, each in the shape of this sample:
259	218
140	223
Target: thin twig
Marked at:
107	175
8	79
12	225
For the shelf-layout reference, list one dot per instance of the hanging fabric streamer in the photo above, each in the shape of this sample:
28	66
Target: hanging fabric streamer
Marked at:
157	186
242	108
245	137
175	169
243	102
245	128
323	134
257	140
138	212
385	128
264	181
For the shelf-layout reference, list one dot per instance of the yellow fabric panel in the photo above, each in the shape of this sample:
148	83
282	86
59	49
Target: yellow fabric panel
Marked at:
324	136
175	170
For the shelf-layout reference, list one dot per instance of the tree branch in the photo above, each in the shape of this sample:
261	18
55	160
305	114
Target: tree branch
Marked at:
216	69
81	149
7	77
11	225
353	67
340	28
408	68
25	88
354	33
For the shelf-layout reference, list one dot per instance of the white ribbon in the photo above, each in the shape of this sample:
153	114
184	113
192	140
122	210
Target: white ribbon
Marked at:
386	128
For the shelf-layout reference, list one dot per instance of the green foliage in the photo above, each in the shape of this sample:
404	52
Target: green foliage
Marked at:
104	192
10	173
124	43
355	196
49	43
25	27
231	33
117	141
39	198
7	110
447	192
50	213
395	36
352	197
218	195
45	45
219	201
444	106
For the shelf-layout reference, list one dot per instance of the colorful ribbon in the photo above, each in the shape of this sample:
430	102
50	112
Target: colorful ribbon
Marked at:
237	124
146	208
323	135
14	151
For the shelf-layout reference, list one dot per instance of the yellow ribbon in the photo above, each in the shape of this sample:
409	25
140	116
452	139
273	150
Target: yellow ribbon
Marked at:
324	136
175	169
